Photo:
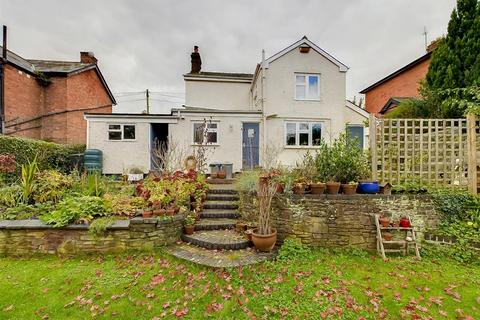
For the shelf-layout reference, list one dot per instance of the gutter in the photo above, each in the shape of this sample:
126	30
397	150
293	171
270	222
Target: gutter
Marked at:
2	81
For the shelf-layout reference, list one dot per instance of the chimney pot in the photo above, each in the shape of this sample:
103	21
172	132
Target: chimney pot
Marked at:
87	57
196	61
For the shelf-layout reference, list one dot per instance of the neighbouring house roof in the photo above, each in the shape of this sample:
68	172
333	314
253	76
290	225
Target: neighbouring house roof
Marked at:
352	106
398	72
56	68
392	103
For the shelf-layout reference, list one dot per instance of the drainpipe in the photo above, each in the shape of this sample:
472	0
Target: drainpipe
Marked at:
2	81
264	116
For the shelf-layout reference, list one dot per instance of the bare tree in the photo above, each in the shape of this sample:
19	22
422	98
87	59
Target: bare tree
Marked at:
265	191
168	156
202	139
270	156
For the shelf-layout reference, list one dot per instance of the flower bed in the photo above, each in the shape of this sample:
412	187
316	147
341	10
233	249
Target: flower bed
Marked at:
60	200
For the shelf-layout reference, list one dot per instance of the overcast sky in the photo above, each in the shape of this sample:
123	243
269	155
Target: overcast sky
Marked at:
146	44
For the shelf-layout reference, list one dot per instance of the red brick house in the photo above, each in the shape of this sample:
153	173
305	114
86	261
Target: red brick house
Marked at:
47	99
388	92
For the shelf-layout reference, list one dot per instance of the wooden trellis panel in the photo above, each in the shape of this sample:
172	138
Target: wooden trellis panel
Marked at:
428	151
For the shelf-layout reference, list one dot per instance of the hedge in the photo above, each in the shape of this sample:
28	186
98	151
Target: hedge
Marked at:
49	155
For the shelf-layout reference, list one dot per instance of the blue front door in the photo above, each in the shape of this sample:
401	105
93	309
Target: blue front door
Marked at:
250	145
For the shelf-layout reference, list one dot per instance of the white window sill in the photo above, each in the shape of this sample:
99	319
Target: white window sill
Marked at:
124	140
308	100
301	147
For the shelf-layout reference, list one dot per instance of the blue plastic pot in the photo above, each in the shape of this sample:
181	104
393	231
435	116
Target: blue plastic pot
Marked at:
370	187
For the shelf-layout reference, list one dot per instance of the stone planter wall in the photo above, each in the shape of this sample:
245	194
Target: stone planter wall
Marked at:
340	220
25	237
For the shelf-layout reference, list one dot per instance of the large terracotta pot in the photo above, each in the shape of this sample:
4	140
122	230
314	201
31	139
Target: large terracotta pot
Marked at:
384	221
349	189
147	214
221	174
333	187
317	188
264	243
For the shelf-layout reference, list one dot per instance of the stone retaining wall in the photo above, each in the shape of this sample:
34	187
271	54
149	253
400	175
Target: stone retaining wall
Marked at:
24	237
340	220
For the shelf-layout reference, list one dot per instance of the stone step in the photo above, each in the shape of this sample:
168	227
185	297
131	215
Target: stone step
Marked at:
220	181
220	205
222	191
215	224
217	259
222	197
217	239
219	213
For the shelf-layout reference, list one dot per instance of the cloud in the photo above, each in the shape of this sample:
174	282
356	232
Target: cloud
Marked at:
146	44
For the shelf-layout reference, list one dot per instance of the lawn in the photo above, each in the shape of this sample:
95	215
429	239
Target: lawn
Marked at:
337	285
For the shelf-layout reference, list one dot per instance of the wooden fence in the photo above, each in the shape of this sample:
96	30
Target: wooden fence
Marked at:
440	152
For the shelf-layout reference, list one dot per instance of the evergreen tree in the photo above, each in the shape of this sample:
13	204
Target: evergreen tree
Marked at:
456	61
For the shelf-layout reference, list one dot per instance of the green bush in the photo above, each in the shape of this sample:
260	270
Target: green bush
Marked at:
49	155
293	249
247	181
77	209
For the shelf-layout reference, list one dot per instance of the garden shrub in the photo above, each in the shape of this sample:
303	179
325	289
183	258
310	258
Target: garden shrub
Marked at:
293	249
100	225
247	181
50	185
49	155
77	209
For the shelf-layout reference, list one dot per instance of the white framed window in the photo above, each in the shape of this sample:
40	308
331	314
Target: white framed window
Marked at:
307	86
303	134
119	132
205	132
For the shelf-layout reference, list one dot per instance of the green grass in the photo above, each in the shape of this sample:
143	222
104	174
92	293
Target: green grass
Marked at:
325	285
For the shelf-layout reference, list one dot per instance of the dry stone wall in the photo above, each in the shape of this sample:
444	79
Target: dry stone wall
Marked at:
340	220
26	237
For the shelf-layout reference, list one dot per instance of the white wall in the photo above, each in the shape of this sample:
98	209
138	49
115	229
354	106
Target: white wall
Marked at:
119	156
217	95
229	148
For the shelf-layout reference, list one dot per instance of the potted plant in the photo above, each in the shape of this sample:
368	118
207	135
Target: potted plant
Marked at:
333	187
221	174
147	212
384	221
170	210
317	188
405	222
387	236
135	174
350	188
189	224
264	236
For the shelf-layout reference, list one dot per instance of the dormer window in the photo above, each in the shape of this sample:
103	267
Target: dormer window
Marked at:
307	86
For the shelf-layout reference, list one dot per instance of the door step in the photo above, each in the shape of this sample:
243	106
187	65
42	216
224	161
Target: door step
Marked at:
217	240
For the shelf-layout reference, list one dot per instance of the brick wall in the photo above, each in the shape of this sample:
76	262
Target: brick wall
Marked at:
340	221
27	237
405	84
53	113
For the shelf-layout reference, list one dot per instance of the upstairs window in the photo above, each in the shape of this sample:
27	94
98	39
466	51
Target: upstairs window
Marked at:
119	132
206	133
303	134
307	86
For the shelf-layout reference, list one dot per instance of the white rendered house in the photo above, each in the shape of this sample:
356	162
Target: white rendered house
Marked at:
292	101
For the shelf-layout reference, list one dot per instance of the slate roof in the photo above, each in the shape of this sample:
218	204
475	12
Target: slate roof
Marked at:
47	66
393	102
223	75
53	68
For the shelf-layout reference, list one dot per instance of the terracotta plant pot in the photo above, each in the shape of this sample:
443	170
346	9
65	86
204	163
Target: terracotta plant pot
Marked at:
349	189
170	212
213	175
317	188
159	212
264	243
387	236
189	229
221	174
333	187
147	214
384	221
299	188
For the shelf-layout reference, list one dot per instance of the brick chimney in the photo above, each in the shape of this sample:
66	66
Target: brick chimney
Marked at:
196	61
87	57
